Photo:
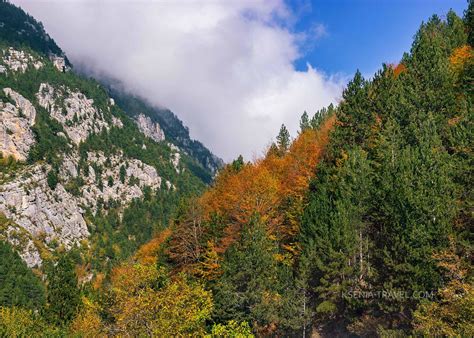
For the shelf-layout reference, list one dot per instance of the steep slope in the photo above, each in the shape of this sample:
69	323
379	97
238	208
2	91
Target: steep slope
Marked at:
173	129
360	226
72	162
18	29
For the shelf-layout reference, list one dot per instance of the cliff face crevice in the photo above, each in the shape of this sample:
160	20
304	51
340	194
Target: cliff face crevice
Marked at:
52	215
56	216
16	119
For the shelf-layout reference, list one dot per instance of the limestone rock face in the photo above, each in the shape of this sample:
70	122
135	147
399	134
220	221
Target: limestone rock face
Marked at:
19	61
150	128
55	217
175	157
137	176
78	114
16	121
39	219
52	215
117	122
59	62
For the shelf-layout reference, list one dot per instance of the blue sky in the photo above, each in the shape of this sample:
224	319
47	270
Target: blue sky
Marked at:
363	34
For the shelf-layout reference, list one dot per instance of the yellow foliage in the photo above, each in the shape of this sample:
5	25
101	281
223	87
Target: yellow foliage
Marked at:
88	322
453	314
210	266
148	303
18	322
15	322
98	280
231	329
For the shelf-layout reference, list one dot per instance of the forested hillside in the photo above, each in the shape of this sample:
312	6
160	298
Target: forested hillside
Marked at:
360	225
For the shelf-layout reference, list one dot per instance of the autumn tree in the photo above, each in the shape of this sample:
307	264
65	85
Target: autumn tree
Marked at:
148	302
186	245
452	314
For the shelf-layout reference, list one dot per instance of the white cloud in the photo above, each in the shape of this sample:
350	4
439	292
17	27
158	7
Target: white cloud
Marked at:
224	67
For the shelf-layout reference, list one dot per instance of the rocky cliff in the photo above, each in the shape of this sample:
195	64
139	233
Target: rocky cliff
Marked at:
45	198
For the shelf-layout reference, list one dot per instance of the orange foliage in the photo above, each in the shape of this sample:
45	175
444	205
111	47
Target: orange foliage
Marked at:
298	165
82	272
98	280
237	197
398	69
148	252
460	57
272	188
210	267
263	187
87	322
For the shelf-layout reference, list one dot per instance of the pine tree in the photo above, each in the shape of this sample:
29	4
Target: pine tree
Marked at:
335	232
122	173
413	218
18	285
354	112
238	163
247	289
304	122
283	139
63	297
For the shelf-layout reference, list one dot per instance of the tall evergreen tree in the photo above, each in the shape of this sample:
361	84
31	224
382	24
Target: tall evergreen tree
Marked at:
335	232
18	285
283	139
248	287
63	296
304	122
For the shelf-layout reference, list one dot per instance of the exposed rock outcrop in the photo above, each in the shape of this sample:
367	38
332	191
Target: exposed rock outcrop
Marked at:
59	62
56	216
175	157
18	61
78	114
53	215
16	121
106	183
150	128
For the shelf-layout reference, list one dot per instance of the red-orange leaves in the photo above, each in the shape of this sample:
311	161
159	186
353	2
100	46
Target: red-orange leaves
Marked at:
272	189
238	197
147	253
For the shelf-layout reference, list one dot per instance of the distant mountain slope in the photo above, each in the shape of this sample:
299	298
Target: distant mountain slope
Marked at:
173	127
17	28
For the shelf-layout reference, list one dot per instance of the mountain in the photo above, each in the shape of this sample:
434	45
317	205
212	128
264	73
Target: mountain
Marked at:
360	225
78	169
20	29
171	125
